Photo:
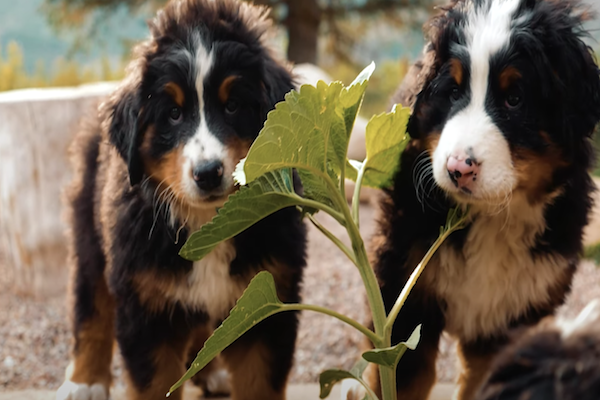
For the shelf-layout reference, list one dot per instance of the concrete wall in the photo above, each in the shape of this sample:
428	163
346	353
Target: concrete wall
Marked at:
36	127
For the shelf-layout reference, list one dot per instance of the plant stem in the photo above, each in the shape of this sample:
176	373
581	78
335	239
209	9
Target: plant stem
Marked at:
387	377
333	238
355	324
339	217
356	196
362	262
374	297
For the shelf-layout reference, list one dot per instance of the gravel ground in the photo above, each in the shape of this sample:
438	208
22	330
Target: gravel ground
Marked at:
34	335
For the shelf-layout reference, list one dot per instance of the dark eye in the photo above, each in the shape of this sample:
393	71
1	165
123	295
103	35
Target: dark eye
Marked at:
231	107
175	115
455	94
513	100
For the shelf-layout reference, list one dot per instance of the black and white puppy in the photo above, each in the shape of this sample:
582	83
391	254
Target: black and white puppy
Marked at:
152	168
504	103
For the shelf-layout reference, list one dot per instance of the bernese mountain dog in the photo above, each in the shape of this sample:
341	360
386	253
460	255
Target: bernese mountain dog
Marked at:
557	360
152	168
504	102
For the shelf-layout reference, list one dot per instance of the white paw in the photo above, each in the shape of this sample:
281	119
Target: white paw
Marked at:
352	390
81	391
219	382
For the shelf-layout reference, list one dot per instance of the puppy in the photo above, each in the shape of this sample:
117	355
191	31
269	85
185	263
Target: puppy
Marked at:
503	103
151	169
553	361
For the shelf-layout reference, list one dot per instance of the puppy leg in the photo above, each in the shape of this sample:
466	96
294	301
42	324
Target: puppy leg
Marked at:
476	359
154	346
214	379
88	375
260	361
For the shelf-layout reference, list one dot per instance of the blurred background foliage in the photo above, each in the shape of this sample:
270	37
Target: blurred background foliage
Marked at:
47	43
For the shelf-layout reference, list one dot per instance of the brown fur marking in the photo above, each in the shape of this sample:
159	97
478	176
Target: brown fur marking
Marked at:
534	171
169	364
93	348
456	71
225	88
151	289
249	366
475	369
508	77
175	91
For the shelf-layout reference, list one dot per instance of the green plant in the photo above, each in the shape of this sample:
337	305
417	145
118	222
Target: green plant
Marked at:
309	132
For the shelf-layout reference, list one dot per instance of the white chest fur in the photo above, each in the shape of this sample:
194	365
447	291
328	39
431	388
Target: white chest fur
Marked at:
494	278
209	286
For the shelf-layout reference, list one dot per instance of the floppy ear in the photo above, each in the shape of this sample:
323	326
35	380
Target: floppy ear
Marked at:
576	78
416	87
581	83
277	80
415	90
123	130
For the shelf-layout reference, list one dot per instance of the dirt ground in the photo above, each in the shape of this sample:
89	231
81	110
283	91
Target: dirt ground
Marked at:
34	335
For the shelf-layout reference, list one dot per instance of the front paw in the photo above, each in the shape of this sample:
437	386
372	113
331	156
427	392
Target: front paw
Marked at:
81	391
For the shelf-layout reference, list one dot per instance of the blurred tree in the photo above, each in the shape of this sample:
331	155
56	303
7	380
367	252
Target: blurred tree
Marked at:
305	20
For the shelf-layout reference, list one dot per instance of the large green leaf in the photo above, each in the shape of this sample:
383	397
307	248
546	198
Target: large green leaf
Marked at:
310	130
328	379
386	139
390	356
258	302
266	195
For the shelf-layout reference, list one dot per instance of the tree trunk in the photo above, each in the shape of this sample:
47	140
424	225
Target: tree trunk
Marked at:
302	22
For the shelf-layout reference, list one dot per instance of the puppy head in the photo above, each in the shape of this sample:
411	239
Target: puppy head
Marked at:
510	98
195	97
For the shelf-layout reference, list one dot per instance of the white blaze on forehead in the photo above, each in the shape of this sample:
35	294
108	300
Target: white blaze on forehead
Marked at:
487	31
203	146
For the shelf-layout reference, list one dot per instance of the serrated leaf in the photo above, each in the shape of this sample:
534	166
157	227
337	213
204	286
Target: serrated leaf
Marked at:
297	133
309	131
258	302
386	139
315	187
328	379
266	195
389	357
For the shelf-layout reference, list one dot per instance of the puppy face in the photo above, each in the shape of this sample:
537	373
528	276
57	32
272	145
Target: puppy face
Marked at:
195	99
511	98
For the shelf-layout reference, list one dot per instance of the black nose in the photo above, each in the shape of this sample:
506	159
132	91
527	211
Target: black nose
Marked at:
208	176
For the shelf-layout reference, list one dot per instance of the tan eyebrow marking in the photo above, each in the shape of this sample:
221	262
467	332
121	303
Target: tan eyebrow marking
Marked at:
508	76
456	71
225	88
175	91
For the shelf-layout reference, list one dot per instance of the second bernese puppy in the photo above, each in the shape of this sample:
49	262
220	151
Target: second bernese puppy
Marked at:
152	169
556	360
504	103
